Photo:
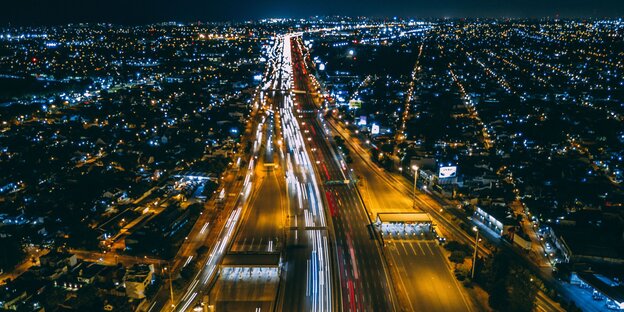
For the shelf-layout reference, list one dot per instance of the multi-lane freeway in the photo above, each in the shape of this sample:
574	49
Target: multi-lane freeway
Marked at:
307	280
365	284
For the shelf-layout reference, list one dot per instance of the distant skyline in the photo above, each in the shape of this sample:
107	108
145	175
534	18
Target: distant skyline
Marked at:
36	12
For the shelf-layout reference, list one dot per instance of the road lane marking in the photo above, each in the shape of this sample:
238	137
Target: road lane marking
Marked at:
404	249
412	246
429	247
421	248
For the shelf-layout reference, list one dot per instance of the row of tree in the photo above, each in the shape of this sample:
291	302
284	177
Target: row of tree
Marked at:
511	286
343	147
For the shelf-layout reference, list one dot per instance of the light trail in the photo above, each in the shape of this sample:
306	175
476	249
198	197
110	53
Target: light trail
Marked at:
302	182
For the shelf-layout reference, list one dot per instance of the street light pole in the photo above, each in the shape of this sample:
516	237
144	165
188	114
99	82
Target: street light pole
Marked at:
170	288
474	256
415	168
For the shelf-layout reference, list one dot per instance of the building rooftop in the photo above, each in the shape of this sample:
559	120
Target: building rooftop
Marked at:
138	272
501	213
404	217
590	241
251	259
613	291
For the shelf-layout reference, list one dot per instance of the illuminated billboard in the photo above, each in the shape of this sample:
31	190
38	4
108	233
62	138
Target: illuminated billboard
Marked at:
375	129
447	172
353	104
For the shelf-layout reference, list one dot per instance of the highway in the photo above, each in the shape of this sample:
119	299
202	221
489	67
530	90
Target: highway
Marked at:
262	229
364	278
245	289
254	217
307	279
397	186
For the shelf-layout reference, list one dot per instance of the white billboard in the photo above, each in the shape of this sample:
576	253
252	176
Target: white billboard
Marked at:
447	172
375	129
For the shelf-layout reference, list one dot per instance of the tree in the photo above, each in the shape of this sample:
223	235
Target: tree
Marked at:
498	269
12	253
457	246
87	298
498	296
195	208
511	286
202	250
348	159
53	297
521	289
338	140
387	148
457	257
188	271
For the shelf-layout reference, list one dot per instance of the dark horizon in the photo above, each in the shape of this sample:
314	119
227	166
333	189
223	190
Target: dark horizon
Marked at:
144	12
395	155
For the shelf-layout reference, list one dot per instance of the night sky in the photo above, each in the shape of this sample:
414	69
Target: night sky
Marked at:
34	12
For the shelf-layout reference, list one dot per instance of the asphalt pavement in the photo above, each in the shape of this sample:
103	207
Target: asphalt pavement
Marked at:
262	226
425	277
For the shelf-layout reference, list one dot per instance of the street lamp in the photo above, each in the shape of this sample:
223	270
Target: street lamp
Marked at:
474	256
170	288
415	168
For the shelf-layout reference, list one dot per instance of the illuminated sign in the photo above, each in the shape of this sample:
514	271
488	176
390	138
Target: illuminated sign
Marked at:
355	104
447	172
362	121
375	129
